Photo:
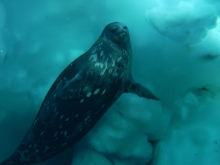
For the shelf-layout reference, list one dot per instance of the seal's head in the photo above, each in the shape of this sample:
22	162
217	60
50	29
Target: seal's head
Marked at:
117	33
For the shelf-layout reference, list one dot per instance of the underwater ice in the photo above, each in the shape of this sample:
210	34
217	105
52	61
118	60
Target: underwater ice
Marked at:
175	54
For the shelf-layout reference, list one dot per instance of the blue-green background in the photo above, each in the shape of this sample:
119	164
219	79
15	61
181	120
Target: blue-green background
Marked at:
176	49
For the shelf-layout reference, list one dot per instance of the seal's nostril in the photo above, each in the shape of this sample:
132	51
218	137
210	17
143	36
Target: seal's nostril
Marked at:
125	27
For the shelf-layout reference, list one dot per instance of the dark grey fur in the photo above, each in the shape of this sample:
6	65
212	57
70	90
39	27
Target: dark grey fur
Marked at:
79	97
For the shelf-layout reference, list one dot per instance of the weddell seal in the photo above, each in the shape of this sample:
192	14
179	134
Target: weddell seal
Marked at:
80	96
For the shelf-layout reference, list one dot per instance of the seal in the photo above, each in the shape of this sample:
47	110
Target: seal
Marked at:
80	96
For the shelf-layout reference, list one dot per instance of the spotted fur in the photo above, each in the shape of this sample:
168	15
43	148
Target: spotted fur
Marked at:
79	97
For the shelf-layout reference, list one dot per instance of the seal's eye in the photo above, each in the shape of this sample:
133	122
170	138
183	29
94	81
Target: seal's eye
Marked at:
113	29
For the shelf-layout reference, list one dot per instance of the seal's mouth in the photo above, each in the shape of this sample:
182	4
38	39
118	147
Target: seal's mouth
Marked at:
121	36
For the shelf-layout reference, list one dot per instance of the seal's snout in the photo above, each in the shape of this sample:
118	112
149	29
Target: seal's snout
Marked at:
119	28
122	31
122	28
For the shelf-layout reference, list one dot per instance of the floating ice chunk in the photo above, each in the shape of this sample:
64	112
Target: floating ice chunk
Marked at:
186	23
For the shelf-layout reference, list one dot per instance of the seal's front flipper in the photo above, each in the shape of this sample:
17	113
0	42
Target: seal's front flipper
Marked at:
72	89
140	90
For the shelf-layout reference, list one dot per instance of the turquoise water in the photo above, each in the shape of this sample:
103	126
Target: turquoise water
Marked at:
175	54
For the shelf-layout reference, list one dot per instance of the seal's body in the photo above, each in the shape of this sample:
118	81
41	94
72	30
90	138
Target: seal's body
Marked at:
78	98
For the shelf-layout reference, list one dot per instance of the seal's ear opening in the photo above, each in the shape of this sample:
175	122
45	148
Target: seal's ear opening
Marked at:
117	33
